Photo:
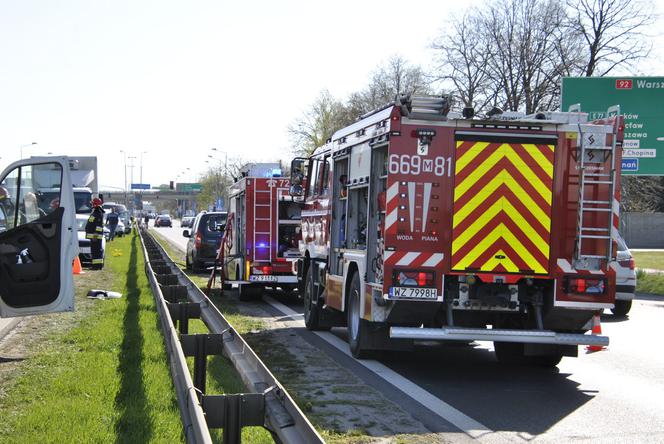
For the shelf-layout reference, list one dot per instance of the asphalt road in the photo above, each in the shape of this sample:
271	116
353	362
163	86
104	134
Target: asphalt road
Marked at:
173	234
616	395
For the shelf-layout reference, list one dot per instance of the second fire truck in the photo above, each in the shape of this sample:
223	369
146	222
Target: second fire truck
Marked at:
419	226
266	232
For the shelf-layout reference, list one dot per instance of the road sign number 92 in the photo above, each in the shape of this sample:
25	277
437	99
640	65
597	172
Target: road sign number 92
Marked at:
407	164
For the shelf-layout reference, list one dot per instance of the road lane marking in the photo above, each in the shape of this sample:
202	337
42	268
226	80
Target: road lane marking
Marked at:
448	413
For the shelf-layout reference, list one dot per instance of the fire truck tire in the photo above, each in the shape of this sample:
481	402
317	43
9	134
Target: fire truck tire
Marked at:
247	293
312	311
622	308
358	328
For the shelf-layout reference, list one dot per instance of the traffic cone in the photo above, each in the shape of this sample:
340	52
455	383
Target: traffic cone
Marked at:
597	330
77	269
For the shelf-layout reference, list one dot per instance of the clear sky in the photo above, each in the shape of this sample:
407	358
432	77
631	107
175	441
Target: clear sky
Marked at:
175	78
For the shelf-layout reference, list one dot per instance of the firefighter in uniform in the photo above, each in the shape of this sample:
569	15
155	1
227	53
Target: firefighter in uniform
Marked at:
94	230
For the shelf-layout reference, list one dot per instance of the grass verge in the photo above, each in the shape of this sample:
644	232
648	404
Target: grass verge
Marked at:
649	259
99	374
649	282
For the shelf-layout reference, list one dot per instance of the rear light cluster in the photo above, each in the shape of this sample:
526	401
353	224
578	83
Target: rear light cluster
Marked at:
198	240
627	263
403	278
265	269
585	286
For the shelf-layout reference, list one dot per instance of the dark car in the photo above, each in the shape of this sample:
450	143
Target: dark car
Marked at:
163	220
187	222
204	240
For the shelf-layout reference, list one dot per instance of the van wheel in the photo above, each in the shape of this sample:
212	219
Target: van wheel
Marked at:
312	311
622	308
247	293
358	328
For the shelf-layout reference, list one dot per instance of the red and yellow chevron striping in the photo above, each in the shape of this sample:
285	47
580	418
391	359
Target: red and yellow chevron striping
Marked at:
502	207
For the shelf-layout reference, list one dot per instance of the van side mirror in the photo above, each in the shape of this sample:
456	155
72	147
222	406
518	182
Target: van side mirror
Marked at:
185	233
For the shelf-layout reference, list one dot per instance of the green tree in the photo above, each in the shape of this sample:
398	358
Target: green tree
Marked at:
311	130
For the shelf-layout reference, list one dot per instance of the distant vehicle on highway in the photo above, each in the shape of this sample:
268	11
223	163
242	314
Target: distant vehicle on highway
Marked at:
204	239
187	221
163	220
625	279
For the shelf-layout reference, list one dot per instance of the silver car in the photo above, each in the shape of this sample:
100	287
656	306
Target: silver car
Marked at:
625	279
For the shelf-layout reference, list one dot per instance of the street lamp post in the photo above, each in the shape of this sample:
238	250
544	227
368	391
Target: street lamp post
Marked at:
218	186
124	185
142	152
25	146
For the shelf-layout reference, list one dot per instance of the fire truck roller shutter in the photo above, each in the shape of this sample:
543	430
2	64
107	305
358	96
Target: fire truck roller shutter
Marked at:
502	203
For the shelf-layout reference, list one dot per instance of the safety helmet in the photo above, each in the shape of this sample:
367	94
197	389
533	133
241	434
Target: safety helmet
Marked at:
96	202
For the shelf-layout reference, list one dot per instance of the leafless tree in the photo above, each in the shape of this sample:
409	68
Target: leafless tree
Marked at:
529	52
388	80
461	58
613	31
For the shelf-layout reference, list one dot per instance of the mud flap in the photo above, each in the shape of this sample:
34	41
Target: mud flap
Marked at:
378	338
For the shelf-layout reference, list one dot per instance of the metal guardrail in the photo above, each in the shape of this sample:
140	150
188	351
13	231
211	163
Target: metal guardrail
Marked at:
268	404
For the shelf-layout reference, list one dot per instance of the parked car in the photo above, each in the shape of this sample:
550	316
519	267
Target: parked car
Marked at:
163	220
84	253
187	222
204	239
625	279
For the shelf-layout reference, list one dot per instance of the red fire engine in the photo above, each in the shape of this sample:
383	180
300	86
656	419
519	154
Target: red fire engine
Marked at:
417	225
266	232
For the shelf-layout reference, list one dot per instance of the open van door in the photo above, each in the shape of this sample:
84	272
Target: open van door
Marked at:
38	238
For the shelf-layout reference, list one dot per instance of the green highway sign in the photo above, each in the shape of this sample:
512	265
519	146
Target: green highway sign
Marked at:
188	187
641	101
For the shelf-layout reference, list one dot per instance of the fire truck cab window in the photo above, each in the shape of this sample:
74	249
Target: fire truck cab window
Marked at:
313	178
357	217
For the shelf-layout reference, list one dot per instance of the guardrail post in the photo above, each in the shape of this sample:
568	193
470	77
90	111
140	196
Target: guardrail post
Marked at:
232	412
182	312
200	347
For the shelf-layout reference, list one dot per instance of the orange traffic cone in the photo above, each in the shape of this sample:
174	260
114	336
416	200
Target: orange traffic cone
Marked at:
77	269
597	330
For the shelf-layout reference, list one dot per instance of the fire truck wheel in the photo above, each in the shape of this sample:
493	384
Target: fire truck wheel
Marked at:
312	311
622	308
246	293
357	327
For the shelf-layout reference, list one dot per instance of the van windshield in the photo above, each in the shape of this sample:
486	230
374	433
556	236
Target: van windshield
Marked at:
213	221
48	200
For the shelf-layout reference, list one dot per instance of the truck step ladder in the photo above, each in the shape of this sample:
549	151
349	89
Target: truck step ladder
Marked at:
591	146
263	225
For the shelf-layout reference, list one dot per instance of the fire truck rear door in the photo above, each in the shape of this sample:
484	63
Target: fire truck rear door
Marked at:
502	203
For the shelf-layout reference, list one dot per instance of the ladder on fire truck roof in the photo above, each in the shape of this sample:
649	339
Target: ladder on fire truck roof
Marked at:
593	145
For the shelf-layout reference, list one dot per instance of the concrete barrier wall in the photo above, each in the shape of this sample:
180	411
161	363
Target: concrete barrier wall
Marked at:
643	230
